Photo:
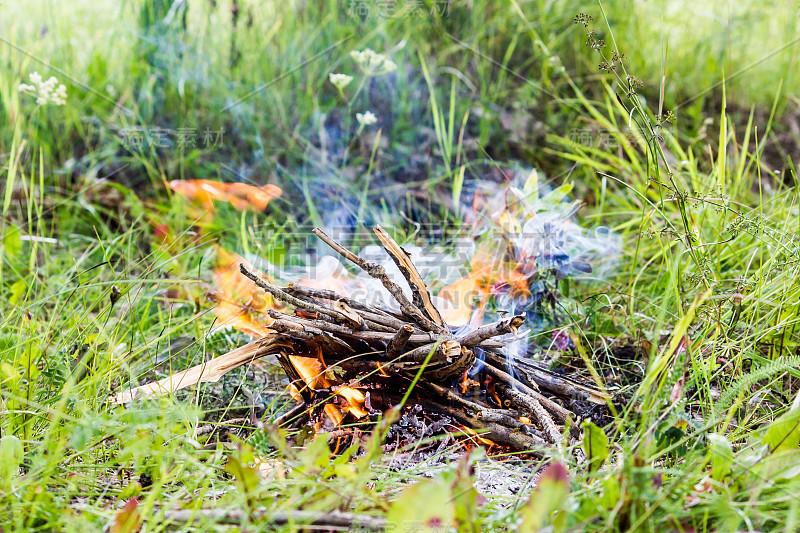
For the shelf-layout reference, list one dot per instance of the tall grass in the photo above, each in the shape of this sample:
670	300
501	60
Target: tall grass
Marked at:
103	276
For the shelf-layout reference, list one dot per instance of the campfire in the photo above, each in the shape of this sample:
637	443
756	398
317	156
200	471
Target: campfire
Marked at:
349	363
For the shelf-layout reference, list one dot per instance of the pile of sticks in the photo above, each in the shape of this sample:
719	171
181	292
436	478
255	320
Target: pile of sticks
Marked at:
383	350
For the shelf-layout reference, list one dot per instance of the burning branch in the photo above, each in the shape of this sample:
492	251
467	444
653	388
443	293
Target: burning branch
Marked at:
380	350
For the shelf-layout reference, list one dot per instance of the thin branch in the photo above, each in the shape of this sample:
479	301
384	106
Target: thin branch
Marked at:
378	272
280	294
420	295
334	519
398	341
495	329
531	404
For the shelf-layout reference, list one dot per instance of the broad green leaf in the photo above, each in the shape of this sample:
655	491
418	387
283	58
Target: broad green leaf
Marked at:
132	490
721	456
549	497
610	495
11	456
12	240
531	186
315	457
784	433
784	465
556	196
465	497
595	444
247	476
8	374
424	506
17	291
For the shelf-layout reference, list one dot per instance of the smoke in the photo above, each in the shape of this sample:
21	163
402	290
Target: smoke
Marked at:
518	242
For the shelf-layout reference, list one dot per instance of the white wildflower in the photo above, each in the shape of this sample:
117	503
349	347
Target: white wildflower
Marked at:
372	63
45	92
340	81
367	118
389	66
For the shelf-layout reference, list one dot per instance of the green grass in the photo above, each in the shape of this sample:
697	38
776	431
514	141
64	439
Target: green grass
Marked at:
112	288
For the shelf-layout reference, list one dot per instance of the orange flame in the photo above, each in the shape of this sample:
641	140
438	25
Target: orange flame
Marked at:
242	305
493	265
472	292
240	195
238	300
355	398
474	434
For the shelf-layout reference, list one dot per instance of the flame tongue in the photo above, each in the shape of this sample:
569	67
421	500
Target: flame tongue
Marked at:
240	195
242	306
312	370
355	398
237	299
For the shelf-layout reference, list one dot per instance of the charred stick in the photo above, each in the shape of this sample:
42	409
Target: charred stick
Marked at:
501	327
312	334
362	367
278	293
392	322
494	432
353	318
506	418
326	294
513	413
448	349
387	337
559	412
324	325
420	295
295	378
291	415
532	405
495	344
465	361
366	323
453	397
501	416
377	326
368	336
301	295
551	382
378	272
513	437
509	379
398	341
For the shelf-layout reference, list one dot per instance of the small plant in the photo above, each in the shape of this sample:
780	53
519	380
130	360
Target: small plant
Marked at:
46	92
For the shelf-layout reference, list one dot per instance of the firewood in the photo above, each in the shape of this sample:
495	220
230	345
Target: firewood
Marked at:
209	371
550	381
382	350
421	297
378	272
398	341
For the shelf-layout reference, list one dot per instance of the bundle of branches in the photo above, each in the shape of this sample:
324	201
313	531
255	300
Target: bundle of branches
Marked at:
382	351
